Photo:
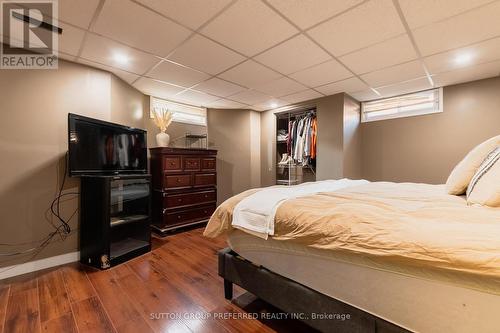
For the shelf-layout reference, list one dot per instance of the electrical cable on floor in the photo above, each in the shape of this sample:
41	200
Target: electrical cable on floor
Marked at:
63	230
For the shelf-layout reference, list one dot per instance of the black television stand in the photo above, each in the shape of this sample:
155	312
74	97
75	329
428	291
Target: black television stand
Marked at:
115	218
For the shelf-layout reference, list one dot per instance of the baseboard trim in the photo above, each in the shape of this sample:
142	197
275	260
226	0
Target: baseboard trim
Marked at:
33	266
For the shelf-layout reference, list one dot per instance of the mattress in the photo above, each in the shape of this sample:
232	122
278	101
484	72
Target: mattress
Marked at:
421	300
397	223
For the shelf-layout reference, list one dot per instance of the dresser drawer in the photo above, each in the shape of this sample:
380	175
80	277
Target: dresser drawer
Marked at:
188	216
191	164
188	199
205	179
172	164
177	181
208	164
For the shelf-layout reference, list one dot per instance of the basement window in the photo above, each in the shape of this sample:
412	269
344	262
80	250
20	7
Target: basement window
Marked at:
415	104
181	113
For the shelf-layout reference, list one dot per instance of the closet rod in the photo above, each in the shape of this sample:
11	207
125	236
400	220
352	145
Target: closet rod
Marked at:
295	112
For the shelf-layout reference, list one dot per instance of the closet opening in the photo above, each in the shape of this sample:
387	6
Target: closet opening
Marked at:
296	146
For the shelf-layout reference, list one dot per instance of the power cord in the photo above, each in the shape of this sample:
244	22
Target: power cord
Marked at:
57	213
63	230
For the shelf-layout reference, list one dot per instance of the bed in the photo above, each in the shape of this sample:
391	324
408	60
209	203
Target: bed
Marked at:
397	256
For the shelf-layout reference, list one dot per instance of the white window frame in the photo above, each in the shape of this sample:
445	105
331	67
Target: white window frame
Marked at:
181	113
396	111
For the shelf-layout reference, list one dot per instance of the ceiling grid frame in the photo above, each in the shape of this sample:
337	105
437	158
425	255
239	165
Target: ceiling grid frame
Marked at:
246	58
305	32
412	39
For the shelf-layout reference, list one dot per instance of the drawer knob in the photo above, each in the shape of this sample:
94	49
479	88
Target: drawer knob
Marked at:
179	200
178	180
178	217
172	163
206	195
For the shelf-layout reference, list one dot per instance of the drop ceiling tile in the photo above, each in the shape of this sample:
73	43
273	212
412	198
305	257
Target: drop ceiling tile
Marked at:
467	56
321	74
195	98
365	95
249	27
103	50
77	12
125	76
306	13
471	27
280	87
192	13
293	55
250	97
250	74
405	87
399	73
156	88
269	105
205	55
350	85
473	73
179	75
302	96
65	56
385	54
218	87
227	104
259	109
423	12
139	27
367	24
71	39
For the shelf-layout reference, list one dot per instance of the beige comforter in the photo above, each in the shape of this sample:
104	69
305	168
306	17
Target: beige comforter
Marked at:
406	223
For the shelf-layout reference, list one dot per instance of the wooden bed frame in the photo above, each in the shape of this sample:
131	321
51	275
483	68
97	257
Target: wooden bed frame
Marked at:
297	299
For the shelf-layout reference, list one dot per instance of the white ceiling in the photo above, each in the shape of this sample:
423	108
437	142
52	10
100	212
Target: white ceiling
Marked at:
265	53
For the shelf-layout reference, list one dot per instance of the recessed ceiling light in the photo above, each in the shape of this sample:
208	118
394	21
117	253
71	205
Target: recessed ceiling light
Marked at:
121	58
274	105
463	59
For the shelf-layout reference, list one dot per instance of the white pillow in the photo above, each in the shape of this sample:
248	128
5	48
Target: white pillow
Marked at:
462	174
484	188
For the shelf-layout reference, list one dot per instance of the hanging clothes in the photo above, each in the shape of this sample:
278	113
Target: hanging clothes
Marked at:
289	138
301	144
314	132
307	138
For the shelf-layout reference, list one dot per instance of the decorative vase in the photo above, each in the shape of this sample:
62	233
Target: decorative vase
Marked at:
162	139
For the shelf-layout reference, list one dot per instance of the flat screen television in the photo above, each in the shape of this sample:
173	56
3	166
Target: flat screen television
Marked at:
99	147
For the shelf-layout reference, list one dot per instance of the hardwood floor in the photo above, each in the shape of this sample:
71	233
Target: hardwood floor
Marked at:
175	288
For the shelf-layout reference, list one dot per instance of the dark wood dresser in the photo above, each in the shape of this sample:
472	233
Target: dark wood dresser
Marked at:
184	187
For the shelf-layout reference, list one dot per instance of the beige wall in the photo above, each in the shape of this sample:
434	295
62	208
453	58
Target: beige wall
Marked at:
330	112
34	108
255	158
33	141
268	148
236	136
352	138
128	105
426	148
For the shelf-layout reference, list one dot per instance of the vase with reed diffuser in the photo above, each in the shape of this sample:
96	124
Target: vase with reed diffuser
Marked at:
162	118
